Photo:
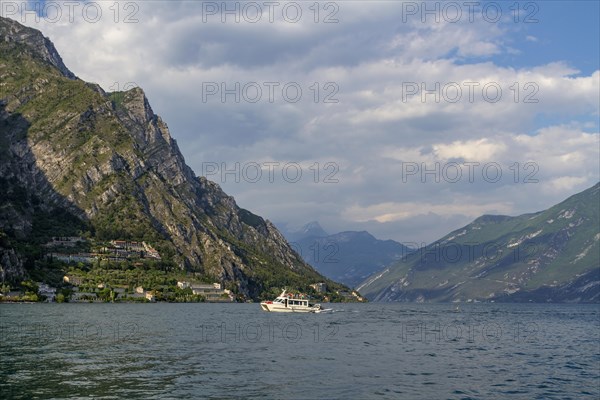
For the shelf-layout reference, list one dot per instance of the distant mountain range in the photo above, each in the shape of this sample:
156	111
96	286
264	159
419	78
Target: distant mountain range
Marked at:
75	160
347	257
548	256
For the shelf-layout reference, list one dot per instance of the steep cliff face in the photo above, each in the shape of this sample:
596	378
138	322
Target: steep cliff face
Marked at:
110	162
11	265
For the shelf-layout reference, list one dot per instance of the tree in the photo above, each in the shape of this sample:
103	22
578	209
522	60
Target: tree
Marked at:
104	294
30	286
5	288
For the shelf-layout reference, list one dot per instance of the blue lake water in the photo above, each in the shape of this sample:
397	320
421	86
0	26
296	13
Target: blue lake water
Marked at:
362	351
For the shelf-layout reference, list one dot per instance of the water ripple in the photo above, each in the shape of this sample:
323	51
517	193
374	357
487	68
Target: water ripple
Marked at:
216	351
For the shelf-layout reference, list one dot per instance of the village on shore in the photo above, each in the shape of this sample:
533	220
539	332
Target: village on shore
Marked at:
86	281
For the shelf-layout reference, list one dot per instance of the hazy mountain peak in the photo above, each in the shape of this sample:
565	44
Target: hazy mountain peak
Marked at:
350	256
313	228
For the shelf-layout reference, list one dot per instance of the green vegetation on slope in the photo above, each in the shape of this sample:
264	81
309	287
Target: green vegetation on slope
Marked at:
496	257
104	167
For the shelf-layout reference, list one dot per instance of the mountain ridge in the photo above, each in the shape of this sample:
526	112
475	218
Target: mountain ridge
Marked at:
551	255
109	161
37	44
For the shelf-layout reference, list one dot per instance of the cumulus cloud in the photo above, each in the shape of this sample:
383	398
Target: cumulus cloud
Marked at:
382	93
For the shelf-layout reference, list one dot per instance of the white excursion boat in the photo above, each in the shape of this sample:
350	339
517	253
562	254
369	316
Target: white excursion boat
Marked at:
288	303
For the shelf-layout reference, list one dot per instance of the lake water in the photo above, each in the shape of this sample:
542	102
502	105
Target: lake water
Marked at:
357	351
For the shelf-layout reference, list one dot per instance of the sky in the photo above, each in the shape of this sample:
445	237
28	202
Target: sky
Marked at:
406	119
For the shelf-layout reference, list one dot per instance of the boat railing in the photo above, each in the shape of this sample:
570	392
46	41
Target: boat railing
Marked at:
297	296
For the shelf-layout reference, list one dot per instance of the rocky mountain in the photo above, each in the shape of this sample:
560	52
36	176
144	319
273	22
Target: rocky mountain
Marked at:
74	159
548	256
347	257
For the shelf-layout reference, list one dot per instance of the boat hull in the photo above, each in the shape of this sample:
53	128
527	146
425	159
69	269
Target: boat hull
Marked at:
272	307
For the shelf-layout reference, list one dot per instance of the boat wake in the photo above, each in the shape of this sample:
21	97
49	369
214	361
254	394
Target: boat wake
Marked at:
330	310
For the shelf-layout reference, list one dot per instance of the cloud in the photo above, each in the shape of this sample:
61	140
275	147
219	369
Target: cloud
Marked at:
393	212
406	93
481	149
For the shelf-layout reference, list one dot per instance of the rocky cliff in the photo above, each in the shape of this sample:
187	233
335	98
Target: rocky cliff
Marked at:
108	165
